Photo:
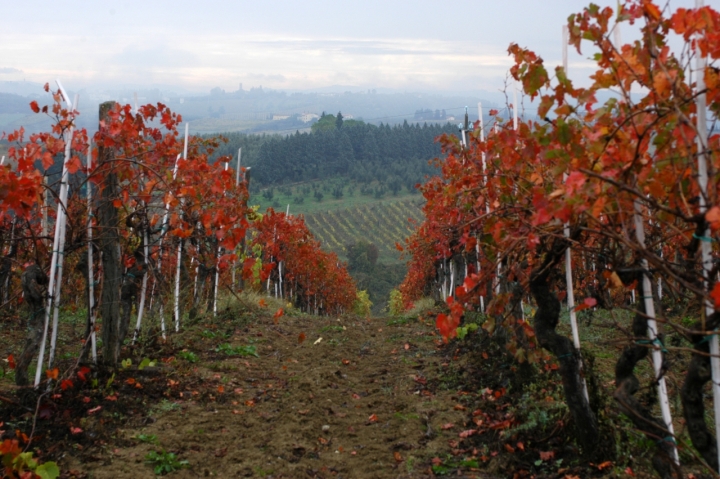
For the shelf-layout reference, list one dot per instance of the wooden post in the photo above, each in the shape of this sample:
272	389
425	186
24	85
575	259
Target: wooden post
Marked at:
109	241
91	278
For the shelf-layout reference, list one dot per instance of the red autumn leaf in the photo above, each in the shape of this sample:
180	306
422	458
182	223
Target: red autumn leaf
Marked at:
221	389
715	295
11	361
34	106
447	425
82	373
301	338
66	384
467	433
277	315
73	165
604	465
94	410
509	448
75	430
521	446
546	456
397	456
373	418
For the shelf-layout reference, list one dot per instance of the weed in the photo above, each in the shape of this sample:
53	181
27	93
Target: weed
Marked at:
405	417
327	329
207	334
164	406
188	356
237	350
147	438
164	462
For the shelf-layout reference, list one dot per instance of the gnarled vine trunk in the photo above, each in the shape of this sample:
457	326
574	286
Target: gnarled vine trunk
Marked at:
691	394
33	279
627	384
545	321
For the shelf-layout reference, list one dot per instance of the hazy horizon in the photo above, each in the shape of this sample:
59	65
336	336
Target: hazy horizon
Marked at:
282	45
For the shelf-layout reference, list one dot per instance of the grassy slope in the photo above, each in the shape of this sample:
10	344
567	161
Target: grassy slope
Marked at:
355	217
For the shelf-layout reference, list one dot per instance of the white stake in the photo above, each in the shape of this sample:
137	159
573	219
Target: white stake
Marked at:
163	232
237	183
143	291
179	251
652	332
217	269
56	251
61	257
702	134
91	276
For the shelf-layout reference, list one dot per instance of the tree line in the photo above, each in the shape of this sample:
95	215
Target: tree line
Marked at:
353	149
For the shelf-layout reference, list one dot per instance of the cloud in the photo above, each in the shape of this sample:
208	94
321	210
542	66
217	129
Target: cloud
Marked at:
156	56
7	70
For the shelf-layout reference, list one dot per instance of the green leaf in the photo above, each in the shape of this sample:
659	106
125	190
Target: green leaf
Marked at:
49	470
126	363
145	363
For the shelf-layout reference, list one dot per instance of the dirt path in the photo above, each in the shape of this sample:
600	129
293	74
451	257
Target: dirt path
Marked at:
349	401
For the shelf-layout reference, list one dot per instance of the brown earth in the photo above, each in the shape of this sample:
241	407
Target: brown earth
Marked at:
325	397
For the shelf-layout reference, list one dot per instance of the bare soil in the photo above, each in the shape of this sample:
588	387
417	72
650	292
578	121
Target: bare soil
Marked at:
324	397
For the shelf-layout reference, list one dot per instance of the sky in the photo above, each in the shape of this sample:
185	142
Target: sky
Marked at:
285	45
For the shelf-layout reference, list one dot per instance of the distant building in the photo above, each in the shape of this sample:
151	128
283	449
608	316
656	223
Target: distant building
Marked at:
347	116
308	117
280	117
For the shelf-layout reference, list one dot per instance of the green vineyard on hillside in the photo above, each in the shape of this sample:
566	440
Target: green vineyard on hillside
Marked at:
383	223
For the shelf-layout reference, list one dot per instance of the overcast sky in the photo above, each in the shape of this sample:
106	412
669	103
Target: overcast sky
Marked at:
409	45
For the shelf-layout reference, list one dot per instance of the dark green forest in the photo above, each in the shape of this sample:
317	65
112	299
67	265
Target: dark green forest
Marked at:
395	156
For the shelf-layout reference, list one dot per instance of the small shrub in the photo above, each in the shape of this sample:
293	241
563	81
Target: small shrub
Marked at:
396	305
362	304
164	462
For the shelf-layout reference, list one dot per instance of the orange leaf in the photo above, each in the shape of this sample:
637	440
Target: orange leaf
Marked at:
277	315
221	389
373	418
301	338
509	448
546	456
52	373
604	465
652	10
713	217
262	302
397	456
447	426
